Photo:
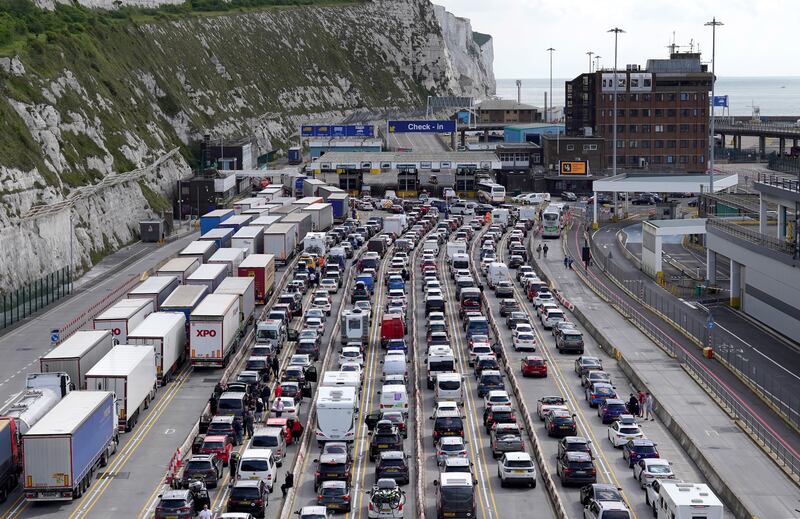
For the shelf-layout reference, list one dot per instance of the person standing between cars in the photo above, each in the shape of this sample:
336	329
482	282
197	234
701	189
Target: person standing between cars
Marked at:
276	366
248	423
278	391
205	513
648	407
237	428
259	410
297	430
641	403
539	251
233	465
279	405
287	483
566	262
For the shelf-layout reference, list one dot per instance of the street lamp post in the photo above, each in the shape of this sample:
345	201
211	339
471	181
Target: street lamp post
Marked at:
616	31
590	53
551	50
713	23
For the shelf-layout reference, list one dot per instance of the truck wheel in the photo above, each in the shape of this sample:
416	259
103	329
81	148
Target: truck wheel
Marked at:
3	495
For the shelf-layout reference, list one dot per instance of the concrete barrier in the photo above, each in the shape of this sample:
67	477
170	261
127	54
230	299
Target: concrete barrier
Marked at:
420	501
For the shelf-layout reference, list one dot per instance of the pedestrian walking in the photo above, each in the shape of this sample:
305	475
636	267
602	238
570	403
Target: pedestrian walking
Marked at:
297	430
544	250
276	366
212	404
569	265
641	403
205	513
278	391
287	483
539	251
633	405
233	465
279	405
238	430
648	407
259	410
265	393
248	423
566	262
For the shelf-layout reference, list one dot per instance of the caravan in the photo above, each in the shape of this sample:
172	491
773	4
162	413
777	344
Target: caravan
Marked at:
336	413
678	500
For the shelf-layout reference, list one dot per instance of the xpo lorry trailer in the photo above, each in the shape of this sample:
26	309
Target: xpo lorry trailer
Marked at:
77	355
62	452
260	267
130	373
214	330
165	333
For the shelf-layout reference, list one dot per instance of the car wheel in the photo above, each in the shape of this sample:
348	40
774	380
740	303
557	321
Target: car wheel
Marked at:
533	484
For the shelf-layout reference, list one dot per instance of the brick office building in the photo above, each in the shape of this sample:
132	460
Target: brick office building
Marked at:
506	111
662	113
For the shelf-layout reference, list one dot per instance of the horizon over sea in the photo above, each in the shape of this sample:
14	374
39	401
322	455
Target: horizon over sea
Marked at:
774	95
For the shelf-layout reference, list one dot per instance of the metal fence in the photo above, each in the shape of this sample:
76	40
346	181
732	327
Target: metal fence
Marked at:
781	391
27	300
784	165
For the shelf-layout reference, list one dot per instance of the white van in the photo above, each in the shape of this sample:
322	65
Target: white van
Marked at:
497	272
449	386
270	438
687	501
394	397
431	245
395	364
258	464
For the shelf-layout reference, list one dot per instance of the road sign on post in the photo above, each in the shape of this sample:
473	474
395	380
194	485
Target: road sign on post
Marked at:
54	336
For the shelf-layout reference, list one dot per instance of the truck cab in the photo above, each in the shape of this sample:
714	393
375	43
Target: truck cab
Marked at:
271	332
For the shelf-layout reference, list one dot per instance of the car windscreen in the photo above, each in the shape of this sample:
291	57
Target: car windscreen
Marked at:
491	379
448	422
330	468
457	498
392	462
645	449
628	430
172	504
253	465
520	464
213	445
230	405
267	334
244	493
198	465
264	441
449	385
332	491
616	514
219	428
659	469
441	365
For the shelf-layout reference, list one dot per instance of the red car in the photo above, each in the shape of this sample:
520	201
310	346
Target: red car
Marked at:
283	423
219	446
534	366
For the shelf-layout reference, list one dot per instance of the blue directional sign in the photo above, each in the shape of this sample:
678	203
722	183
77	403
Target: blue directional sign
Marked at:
422	126
337	130
710	322
54	336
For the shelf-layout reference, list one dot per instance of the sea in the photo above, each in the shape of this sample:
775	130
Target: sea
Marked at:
771	95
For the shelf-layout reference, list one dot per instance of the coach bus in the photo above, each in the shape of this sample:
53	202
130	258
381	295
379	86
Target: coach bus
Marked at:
491	193
551	222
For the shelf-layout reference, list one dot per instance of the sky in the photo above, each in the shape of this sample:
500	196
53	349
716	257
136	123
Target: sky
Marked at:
756	39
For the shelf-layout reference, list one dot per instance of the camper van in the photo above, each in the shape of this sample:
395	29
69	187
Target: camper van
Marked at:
687	501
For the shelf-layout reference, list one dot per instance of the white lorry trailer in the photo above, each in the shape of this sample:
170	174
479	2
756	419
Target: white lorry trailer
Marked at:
321	215
210	275
245	290
155	288
214	330
165	332
336	414
130	373
76	355
64	449
200	249
250	238
123	317
280	240
230	257
181	268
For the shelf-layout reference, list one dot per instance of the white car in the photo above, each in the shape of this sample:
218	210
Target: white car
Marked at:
300	359
436	316
446	405
496	397
351	354
291	408
323	304
623	429
316	312
645	471
551	316
548	403
517	468
522	329
355	367
364	306
479	348
315	323
433	284
543	297
524	342
330	285
450	447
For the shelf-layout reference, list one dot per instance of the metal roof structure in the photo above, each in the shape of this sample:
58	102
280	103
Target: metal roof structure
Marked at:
433	160
666	183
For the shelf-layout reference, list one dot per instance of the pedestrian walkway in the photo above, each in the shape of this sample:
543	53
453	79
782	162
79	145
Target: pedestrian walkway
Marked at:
22	345
738	470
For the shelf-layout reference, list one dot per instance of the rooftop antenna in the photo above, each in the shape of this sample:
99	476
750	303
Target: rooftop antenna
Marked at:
519	91
691	45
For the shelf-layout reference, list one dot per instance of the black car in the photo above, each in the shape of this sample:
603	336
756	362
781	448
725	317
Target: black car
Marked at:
176	504
485	362
507	306
576	467
574	444
335	495
393	465
385	437
447	423
205	468
560	423
222	426
248	496
360	293
600	492
515	261
397	418
434	304
332	467
568	196
516	317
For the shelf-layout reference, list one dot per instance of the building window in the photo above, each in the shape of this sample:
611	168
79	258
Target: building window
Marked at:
634	97
570	147
684	159
671	112
656	159
646	128
684	143
589	147
685	112
684	128
669	159
620	128
659	128
621	97
536	159
620	144
670	97
702	159
659	144
645	144
602	113
670	128
620	112
646	112
633	128
659	112
671	143
633	144
647	97
684	96
647	83
659	97
633	112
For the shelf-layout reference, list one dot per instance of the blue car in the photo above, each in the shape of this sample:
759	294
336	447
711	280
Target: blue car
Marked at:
397	345
610	409
396	282
636	450
489	381
367	280
599	392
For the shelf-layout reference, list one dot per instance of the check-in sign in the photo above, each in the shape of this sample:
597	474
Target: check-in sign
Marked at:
422	126
574	167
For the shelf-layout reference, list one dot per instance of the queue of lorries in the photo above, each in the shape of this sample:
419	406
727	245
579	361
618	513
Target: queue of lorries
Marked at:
65	423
